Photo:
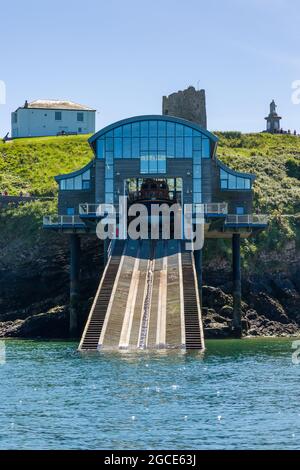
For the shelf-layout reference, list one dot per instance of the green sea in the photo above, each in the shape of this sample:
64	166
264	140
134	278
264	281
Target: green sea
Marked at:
237	395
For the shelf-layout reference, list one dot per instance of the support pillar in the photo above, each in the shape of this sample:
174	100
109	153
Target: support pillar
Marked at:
74	283
237	285
106	243
198	266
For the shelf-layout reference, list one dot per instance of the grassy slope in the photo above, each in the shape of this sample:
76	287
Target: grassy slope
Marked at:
31	164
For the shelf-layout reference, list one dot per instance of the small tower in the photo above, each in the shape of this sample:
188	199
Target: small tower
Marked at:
188	104
273	120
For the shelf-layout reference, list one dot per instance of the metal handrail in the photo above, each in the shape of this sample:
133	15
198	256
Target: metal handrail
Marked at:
216	208
208	208
247	219
49	220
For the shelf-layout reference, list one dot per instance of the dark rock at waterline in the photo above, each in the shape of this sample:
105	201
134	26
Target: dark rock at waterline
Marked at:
34	282
214	297
52	324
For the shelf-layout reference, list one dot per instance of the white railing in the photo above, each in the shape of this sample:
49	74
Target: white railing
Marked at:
216	208
247	219
209	208
62	220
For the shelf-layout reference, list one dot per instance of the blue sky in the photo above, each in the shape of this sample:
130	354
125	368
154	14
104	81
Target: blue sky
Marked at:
122	56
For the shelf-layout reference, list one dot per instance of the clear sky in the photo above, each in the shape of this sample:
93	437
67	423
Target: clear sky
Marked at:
121	56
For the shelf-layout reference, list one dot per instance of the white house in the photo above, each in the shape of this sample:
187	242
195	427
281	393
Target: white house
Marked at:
52	117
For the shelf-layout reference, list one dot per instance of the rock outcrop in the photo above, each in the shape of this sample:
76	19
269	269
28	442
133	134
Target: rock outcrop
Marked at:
34	295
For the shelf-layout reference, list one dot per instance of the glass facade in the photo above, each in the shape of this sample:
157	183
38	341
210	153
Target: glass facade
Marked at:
232	181
79	182
153	142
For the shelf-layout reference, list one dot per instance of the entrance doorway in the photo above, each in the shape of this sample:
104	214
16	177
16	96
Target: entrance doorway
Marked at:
153	190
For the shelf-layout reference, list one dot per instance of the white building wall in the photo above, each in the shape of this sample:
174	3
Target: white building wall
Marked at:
41	122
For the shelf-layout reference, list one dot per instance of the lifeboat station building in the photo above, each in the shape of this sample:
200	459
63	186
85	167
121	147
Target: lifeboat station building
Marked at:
155	157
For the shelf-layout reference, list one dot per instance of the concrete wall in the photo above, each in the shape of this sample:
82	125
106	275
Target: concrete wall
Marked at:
188	104
41	122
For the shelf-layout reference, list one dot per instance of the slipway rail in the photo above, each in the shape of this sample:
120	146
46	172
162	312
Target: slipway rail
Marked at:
147	299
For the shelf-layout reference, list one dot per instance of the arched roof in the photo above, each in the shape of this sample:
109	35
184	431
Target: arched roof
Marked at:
92	140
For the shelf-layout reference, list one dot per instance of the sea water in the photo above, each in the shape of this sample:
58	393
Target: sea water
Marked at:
237	395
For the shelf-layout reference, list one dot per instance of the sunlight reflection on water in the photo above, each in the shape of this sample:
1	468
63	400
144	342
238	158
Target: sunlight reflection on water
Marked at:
233	396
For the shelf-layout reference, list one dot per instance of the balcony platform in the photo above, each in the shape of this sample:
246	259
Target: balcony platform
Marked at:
258	221
65	223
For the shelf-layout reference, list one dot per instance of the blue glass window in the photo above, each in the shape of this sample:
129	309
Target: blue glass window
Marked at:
196	186
161	129
135	147
109	186
179	130
86	184
197	143
152	143
126	147
144	129
179	147
127	130
144	143
109	198
239	210
188	147
109	158
152	128
188	131
118	131
240	183
197	171
152	163
135	130
161	143
70	183
144	163
78	182
70	211
109	172
109	144
197	198
205	148
170	129
197	156
170	147
162	162
231	181
177	140
100	148
118	147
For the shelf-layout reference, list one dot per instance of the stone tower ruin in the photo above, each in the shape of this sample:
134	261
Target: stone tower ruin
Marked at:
188	104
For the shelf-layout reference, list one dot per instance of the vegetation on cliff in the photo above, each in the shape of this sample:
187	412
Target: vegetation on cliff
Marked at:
29	165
